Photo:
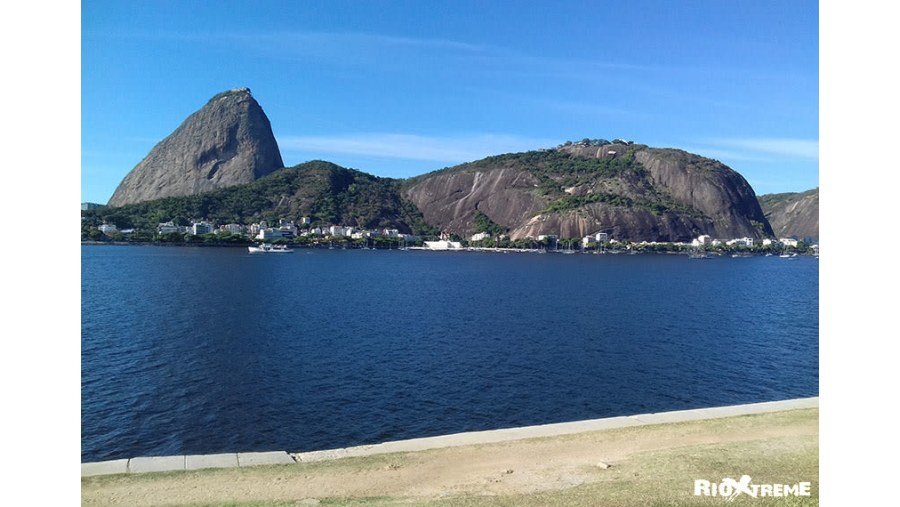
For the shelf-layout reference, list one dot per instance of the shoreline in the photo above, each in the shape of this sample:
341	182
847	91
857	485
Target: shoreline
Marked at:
499	250
138	465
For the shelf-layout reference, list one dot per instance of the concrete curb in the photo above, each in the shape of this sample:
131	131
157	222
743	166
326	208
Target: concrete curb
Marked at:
228	460
185	462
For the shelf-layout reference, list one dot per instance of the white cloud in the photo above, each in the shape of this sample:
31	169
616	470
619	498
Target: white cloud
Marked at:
454	149
801	148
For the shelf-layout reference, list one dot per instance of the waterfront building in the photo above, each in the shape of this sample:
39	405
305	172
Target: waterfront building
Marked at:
201	227
235	229
740	242
702	240
270	234
167	228
288	231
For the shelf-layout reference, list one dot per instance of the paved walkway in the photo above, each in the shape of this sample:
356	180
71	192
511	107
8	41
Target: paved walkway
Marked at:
194	462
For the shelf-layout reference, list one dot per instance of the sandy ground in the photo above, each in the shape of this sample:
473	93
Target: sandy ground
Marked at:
505	470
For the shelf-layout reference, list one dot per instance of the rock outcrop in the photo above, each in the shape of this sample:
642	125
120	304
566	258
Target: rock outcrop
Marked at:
449	200
793	214
632	192
227	142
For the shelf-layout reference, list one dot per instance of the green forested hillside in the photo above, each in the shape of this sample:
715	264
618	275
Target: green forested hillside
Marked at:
325	192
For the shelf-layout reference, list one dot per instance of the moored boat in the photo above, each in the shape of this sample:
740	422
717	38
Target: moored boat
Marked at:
269	248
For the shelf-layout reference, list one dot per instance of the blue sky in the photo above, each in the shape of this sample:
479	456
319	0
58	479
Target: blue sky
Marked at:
402	88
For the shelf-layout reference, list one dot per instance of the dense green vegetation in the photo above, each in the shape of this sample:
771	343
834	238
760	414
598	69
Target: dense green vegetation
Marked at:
770	201
484	224
558	170
327	193
690	160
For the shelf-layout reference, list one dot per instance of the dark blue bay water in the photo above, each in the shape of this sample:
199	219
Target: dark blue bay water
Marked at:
206	350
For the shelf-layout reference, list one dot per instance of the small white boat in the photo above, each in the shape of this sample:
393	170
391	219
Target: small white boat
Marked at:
269	248
443	244
699	254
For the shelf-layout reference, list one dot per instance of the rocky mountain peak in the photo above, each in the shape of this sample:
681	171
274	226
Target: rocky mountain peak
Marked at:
227	142
630	191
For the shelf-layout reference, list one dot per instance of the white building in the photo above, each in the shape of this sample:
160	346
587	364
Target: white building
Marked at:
167	228
201	227
789	242
235	229
702	240
740	242
270	233
480	236
107	228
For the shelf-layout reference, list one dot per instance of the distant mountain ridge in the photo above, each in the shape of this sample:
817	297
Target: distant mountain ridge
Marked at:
626	190
793	213
223	163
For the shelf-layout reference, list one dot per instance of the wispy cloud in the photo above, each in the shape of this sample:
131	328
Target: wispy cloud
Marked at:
799	148
452	149
730	156
368	43
306	43
356	48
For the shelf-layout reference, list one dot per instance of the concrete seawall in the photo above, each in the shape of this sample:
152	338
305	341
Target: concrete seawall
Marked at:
229	460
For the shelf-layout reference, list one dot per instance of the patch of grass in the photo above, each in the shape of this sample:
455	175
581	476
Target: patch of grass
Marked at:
661	477
667	478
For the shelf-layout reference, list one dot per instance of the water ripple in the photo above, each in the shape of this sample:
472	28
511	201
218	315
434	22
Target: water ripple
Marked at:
197	350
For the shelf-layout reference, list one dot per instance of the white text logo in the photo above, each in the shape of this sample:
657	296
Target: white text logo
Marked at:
731	489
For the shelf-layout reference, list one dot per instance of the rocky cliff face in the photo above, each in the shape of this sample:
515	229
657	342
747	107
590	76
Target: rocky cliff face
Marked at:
227	142
449	201
632	192
793	214
710	187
